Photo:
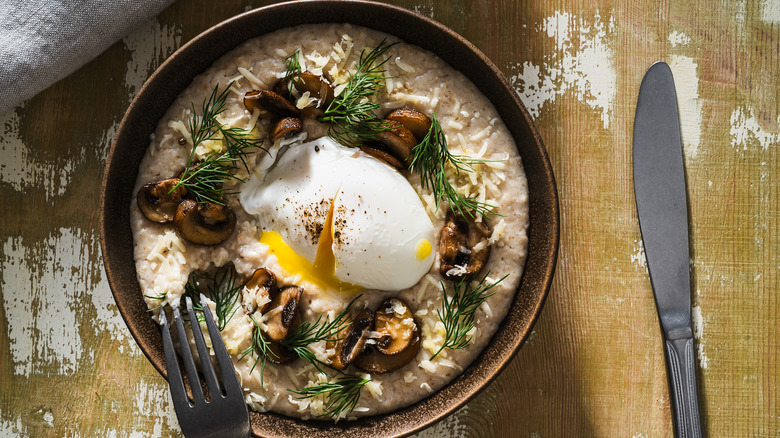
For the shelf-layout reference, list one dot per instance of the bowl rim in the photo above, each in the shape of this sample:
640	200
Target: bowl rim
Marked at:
543	233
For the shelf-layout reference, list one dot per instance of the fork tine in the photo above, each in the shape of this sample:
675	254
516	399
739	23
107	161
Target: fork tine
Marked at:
189	362
224	414
203	354
229	379
178	392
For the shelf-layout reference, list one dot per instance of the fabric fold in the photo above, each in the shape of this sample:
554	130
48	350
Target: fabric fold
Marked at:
43	41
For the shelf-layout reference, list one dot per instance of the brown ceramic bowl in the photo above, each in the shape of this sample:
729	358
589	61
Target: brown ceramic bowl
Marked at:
149	106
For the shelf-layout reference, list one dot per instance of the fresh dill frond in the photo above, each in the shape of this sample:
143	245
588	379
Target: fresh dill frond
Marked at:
159	297
457	313
205	179
341	395
203	127
429	158
222	287
293	73
261	347
319	330
237	142
352	114
306	354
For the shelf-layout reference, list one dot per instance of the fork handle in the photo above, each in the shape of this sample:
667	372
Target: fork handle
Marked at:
680	360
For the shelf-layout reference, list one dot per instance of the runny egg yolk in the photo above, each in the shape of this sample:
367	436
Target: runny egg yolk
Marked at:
319	275
322	271
325	260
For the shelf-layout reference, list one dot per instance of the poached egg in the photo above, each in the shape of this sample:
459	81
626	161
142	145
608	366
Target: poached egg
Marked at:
341	219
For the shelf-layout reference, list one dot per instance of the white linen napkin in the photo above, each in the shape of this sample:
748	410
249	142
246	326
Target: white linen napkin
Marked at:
42	41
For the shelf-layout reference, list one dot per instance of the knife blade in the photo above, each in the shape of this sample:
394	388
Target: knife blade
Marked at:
661	202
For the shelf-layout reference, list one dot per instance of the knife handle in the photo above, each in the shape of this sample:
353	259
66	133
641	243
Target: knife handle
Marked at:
680	358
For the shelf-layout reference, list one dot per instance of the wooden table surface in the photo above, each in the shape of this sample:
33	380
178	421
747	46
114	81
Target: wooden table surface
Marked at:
593	365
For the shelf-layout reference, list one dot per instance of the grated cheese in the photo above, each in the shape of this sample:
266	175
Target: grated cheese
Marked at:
178	126
153	149
481	135
457	271
480	246
425	283
339	88
491	187
404	66
398	307
292	376
412	98
208	147
255	401
435	98
428	366
498	231
433	336
374	388
318	62
254	80
499	164
252	124
233	88
454	125
321	351
449	364
163	259
304	100
486	308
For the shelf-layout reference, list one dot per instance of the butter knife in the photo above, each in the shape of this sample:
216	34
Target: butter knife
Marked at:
661	202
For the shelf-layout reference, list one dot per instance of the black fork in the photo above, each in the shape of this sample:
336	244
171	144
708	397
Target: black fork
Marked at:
225	414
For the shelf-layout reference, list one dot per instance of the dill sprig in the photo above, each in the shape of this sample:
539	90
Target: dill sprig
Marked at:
352	114
222	287
306	354
293	74
429	158
319	330
159	297
341	395
261	346
205	179
457	313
